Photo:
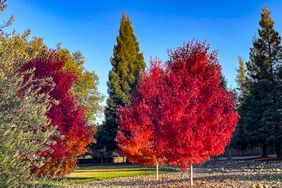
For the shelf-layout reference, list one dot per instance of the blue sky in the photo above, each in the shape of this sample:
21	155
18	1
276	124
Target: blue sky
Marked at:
91	27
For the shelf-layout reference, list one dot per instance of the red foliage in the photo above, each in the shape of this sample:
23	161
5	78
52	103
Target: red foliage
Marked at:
136	138
65	113
181	112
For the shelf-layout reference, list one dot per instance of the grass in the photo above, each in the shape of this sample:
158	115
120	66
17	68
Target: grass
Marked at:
92	173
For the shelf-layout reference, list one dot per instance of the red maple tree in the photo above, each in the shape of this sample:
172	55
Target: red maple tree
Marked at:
136	136
65	113
181	111
200	116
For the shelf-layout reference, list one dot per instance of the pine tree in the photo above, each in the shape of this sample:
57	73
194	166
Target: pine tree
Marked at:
242	79
127	66
241	137
278	135
265	56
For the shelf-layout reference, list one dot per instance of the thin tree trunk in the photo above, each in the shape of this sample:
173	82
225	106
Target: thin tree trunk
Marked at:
264	151
191	175
229	155
102	159
157	172
278	150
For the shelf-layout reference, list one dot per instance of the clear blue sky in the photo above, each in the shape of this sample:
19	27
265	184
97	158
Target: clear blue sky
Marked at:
91	27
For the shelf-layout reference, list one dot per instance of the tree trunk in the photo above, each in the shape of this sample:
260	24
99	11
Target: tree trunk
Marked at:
102	159
229	155
191	175
264	151
157	172
278	150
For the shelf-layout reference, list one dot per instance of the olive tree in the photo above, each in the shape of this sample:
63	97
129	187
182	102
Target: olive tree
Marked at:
24	127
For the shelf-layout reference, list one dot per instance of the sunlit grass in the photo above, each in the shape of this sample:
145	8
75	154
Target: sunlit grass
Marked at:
87	173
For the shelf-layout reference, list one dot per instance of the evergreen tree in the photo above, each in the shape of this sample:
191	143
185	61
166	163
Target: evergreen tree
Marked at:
265	56
278	131
242	79
241	137
127	66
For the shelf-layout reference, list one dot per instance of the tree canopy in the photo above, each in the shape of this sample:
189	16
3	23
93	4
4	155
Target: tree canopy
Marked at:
265	57
181	113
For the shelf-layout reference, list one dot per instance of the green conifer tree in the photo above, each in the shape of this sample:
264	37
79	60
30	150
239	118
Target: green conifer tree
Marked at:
241	137
265	56
278	135
242	79
127	66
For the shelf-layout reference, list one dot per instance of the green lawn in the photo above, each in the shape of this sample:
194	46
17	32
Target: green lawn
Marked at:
87	173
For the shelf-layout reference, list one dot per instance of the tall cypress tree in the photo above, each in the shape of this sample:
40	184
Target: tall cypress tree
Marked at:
265	56
127	66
